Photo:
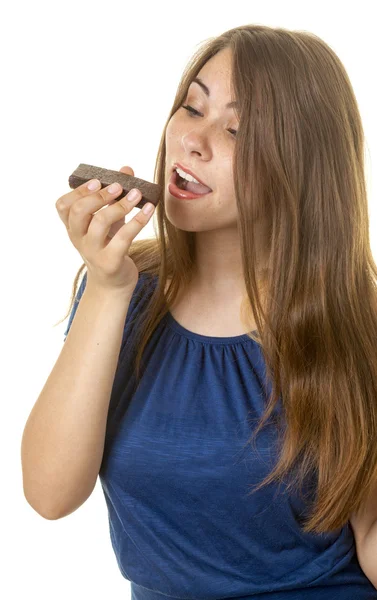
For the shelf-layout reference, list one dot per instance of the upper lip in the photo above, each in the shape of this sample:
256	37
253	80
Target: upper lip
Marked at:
180	166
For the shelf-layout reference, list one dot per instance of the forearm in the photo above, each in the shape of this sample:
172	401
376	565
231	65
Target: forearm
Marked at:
63	440
367	554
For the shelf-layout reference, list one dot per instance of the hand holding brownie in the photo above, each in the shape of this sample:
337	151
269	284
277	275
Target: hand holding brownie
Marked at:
102	237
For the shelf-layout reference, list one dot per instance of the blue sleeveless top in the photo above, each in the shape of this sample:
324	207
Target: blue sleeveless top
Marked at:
177	470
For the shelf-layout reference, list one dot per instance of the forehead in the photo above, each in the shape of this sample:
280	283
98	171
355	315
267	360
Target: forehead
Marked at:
207	91
215	77
220	64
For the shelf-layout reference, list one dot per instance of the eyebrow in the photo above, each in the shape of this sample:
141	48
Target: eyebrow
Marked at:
205	89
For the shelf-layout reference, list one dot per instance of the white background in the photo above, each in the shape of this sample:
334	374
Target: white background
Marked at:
93	82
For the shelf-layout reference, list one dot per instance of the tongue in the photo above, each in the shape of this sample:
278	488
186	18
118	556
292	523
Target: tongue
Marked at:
197	188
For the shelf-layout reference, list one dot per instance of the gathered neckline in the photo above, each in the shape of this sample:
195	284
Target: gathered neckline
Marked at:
206	338
178	328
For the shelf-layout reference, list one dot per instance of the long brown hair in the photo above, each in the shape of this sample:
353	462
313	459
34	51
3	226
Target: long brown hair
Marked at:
299	163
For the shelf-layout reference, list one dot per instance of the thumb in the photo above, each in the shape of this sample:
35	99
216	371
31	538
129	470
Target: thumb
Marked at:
127	171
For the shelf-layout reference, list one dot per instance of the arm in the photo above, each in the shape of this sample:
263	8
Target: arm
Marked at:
64	436
367	554
364	526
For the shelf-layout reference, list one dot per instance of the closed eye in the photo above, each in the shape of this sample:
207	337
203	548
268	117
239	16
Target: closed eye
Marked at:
194	112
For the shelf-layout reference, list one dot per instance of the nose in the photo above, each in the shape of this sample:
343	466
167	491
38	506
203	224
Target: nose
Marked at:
194	142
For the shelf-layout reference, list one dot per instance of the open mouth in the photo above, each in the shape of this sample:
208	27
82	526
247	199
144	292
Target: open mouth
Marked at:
180	182
188	189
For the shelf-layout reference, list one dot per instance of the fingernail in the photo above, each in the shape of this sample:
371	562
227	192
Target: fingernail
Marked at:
93	184
148	208
114	187
133	194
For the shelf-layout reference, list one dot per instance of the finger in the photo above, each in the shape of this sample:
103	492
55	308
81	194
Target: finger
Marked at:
78	199
103	220
123	239
87	209
64	203
127	171
69	200
115	227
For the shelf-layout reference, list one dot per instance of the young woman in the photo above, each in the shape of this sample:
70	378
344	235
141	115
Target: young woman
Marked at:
234	351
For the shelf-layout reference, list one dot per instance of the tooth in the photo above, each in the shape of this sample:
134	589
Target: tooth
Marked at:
186	176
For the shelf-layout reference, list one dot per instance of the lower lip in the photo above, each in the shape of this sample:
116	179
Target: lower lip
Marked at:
182	194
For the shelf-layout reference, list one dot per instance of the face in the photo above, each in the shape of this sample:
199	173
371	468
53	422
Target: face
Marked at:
205	144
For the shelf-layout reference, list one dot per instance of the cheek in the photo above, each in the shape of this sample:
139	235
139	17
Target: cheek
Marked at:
171	138
169	130
173	125
177	127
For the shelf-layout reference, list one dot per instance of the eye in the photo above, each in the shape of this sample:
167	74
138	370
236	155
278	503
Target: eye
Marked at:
194	112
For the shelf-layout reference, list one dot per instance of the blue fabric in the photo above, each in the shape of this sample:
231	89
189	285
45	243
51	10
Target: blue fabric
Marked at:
177	469
80	292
